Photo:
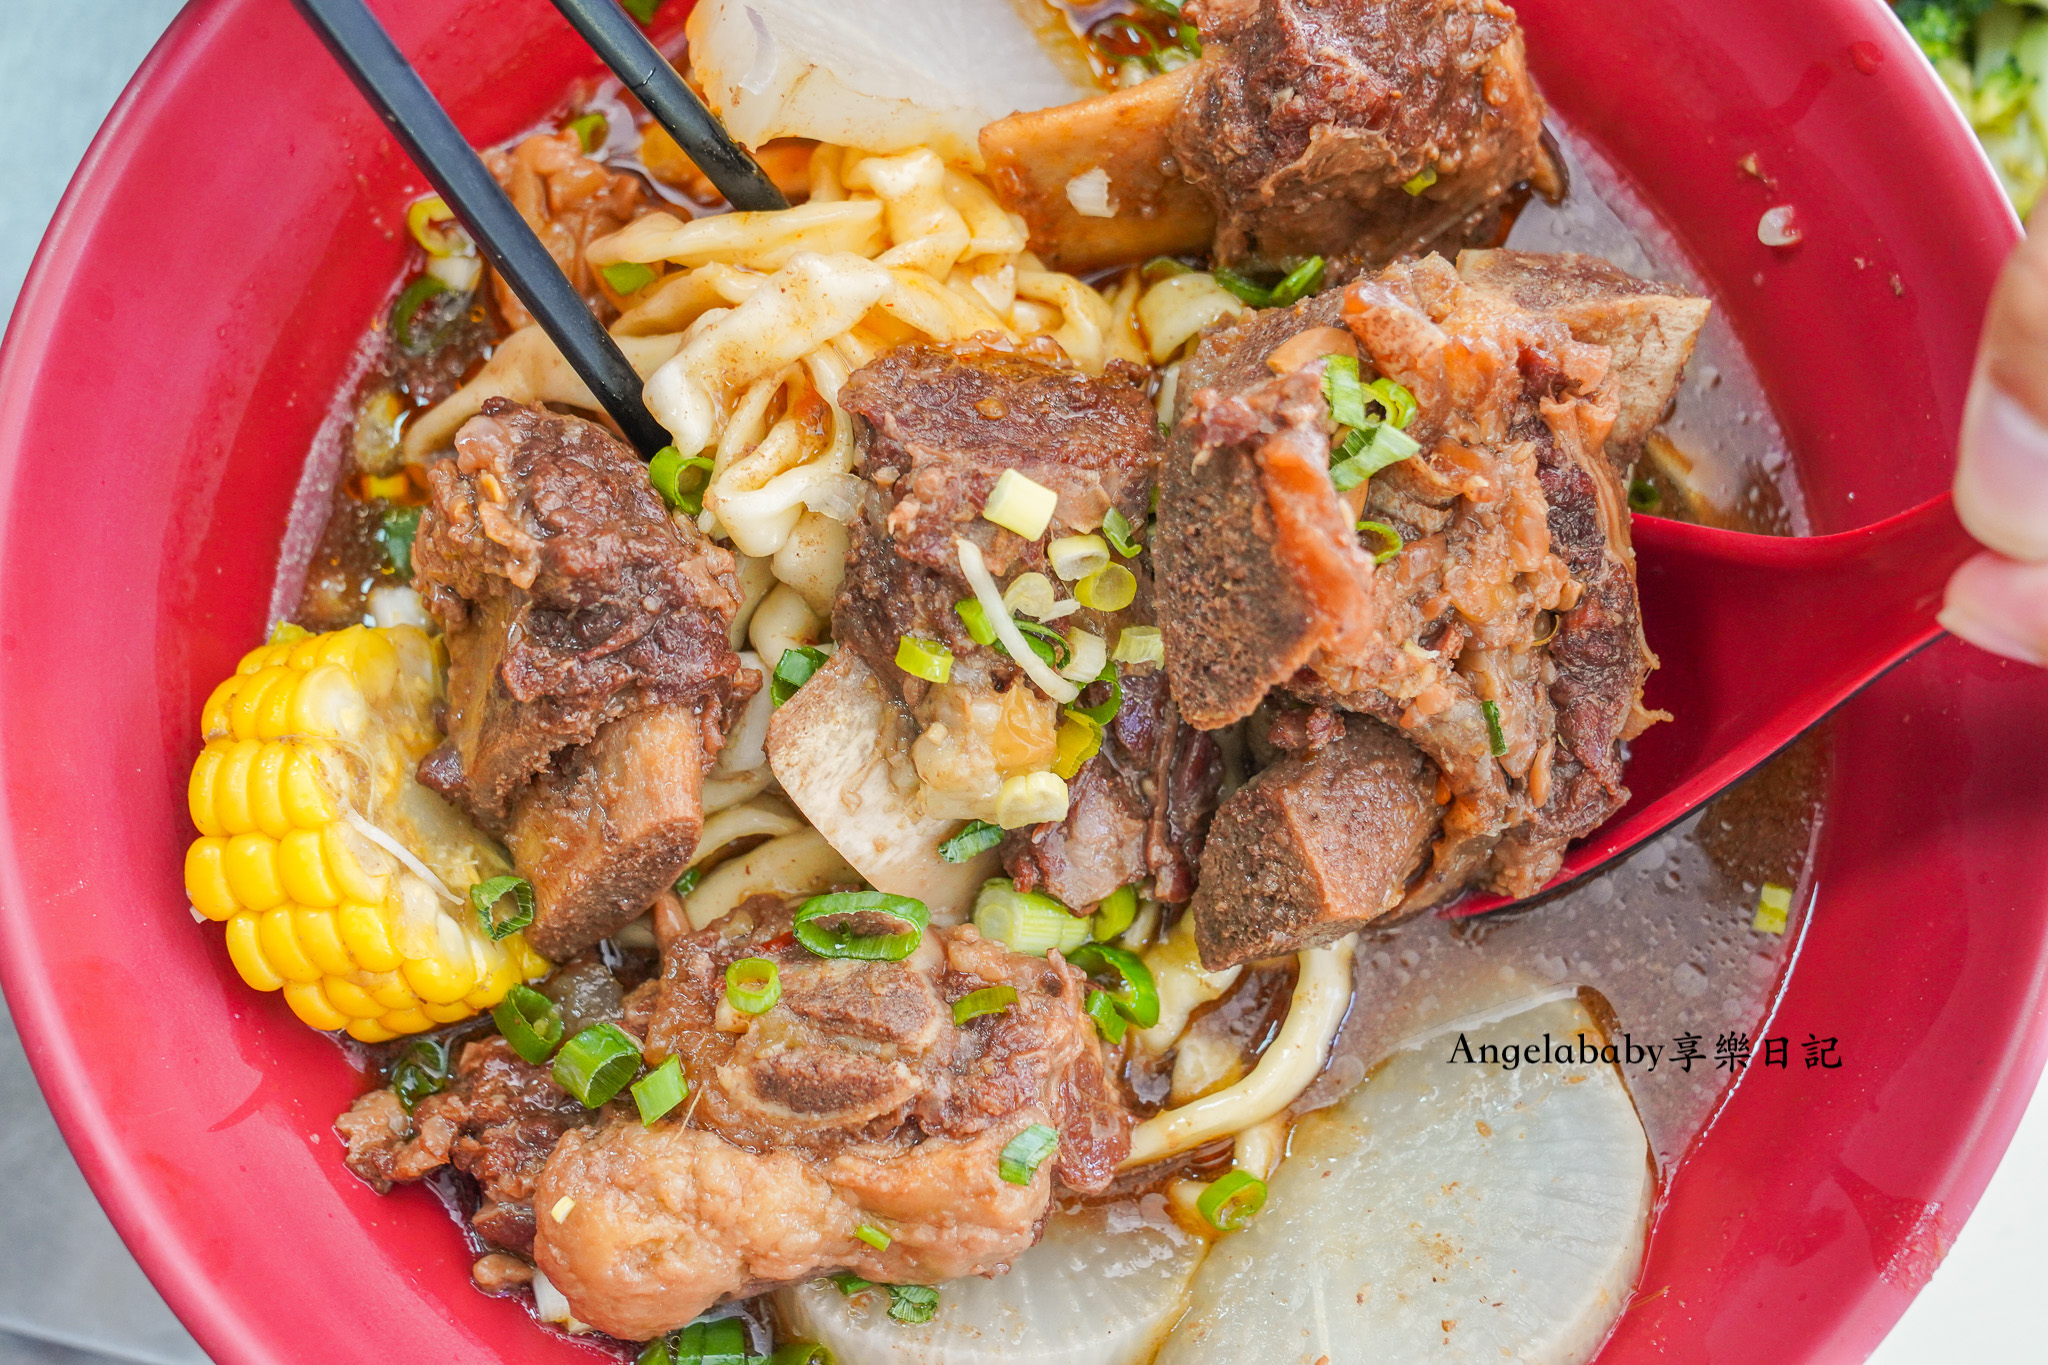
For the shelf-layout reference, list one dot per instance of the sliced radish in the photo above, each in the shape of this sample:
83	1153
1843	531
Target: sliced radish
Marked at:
1445	1211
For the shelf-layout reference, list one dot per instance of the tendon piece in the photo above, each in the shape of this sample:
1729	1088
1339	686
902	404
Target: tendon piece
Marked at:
611	827
1648	328
569	201
1365	129
1259	568
1123	136
1315	846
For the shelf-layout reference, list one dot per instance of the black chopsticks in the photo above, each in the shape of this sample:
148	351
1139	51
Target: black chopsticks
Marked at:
358	41
675	106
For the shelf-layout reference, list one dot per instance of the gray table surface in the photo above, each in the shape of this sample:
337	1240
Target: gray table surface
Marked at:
69	1292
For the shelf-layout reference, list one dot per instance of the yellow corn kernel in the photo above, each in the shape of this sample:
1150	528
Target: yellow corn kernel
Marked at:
302	868
281	946
248	956
253	700
351	882
266	806
251	864
500	974
390	990
441	979
214	717
201	794
447	1014
206	879
326	703
350	998
310	1005
302	790
231	785
532	966
406	1021
369	1031
318	938
366	932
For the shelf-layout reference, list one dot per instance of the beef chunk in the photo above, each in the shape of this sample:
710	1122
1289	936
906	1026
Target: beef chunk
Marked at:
572	602
497	1122
856	1100
1140	808
1315	846
1309	118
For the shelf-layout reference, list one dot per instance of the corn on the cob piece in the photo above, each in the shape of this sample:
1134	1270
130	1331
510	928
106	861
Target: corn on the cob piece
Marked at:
302	793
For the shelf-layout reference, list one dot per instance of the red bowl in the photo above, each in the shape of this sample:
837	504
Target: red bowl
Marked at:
199	300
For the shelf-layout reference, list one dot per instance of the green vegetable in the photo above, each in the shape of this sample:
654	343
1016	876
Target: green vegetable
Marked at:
722	1341
977	838
643	10
628	277
422	1070
826	925
1102	713
591	131
1495	739
530	1022
975	618
1644	496
687	883
801	1353
1109	1020
793	670
849	1284
1135	994
1344	392
913	1303
1298	283
988	1000
1047	643
1248	290
1114	913
1024	921
680	482
1993	56
1163	268
401	527
407	310
660	1090
1116	529
1390	540
753	985
1358	458
484	898
596	1064
1025	1153
926	659
1231	1200
873	1236
1421	181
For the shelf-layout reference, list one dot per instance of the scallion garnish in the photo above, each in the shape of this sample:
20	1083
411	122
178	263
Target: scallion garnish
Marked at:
1420	181
844	924
873	1236
591	131
1114	913
977	838
1107	589
1297	284
1344	392
1390	540
530	1022
1047	643
1024	921
1356	461
1644	496
423	219
1135	994
913	1303
660	1090
976	620
1109	1020
926	659
1163	268
1496	739
628	277
1076	741
687	883
1231	1200
1103	712
1140	645
485	896
753	985
1025	1153
400	528
793	670
722	1341
422	1070
1395	398
680	482
1773	909
800	1353
596	1064
407	310
988	1000
1117	530
643	10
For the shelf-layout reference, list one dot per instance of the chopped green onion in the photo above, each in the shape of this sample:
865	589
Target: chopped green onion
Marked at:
977	838
1644	496
687	883
1190	38
1395	398
793	670
913	1303
1047	643
1421	181
1025	1153
1162	268
629	277
988	1000
422	1070
1232	1200
801	1353
407	309
927	659
1391	543
860	908
484	898
643	10
976	620
1352	464
421	218
1114	913
849	1284
1247	290
1495	739
1135	994
1109	1020
680	482
400	528
591	131
1298	283
530	1022
753	985
1107	589
660	1090
1117	530
596	1064
1773	909
1140	645
873	1236
1105	712
722	1341
1077	740
1344	392
1024	921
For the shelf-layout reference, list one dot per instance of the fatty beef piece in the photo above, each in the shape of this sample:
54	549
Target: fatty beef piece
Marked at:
1477	598
590	678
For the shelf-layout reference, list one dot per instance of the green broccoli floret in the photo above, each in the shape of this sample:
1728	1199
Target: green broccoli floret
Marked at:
1942	27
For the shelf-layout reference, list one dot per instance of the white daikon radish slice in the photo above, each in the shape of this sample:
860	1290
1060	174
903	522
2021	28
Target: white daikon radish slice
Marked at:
1100	1289
880	75
1445	1211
